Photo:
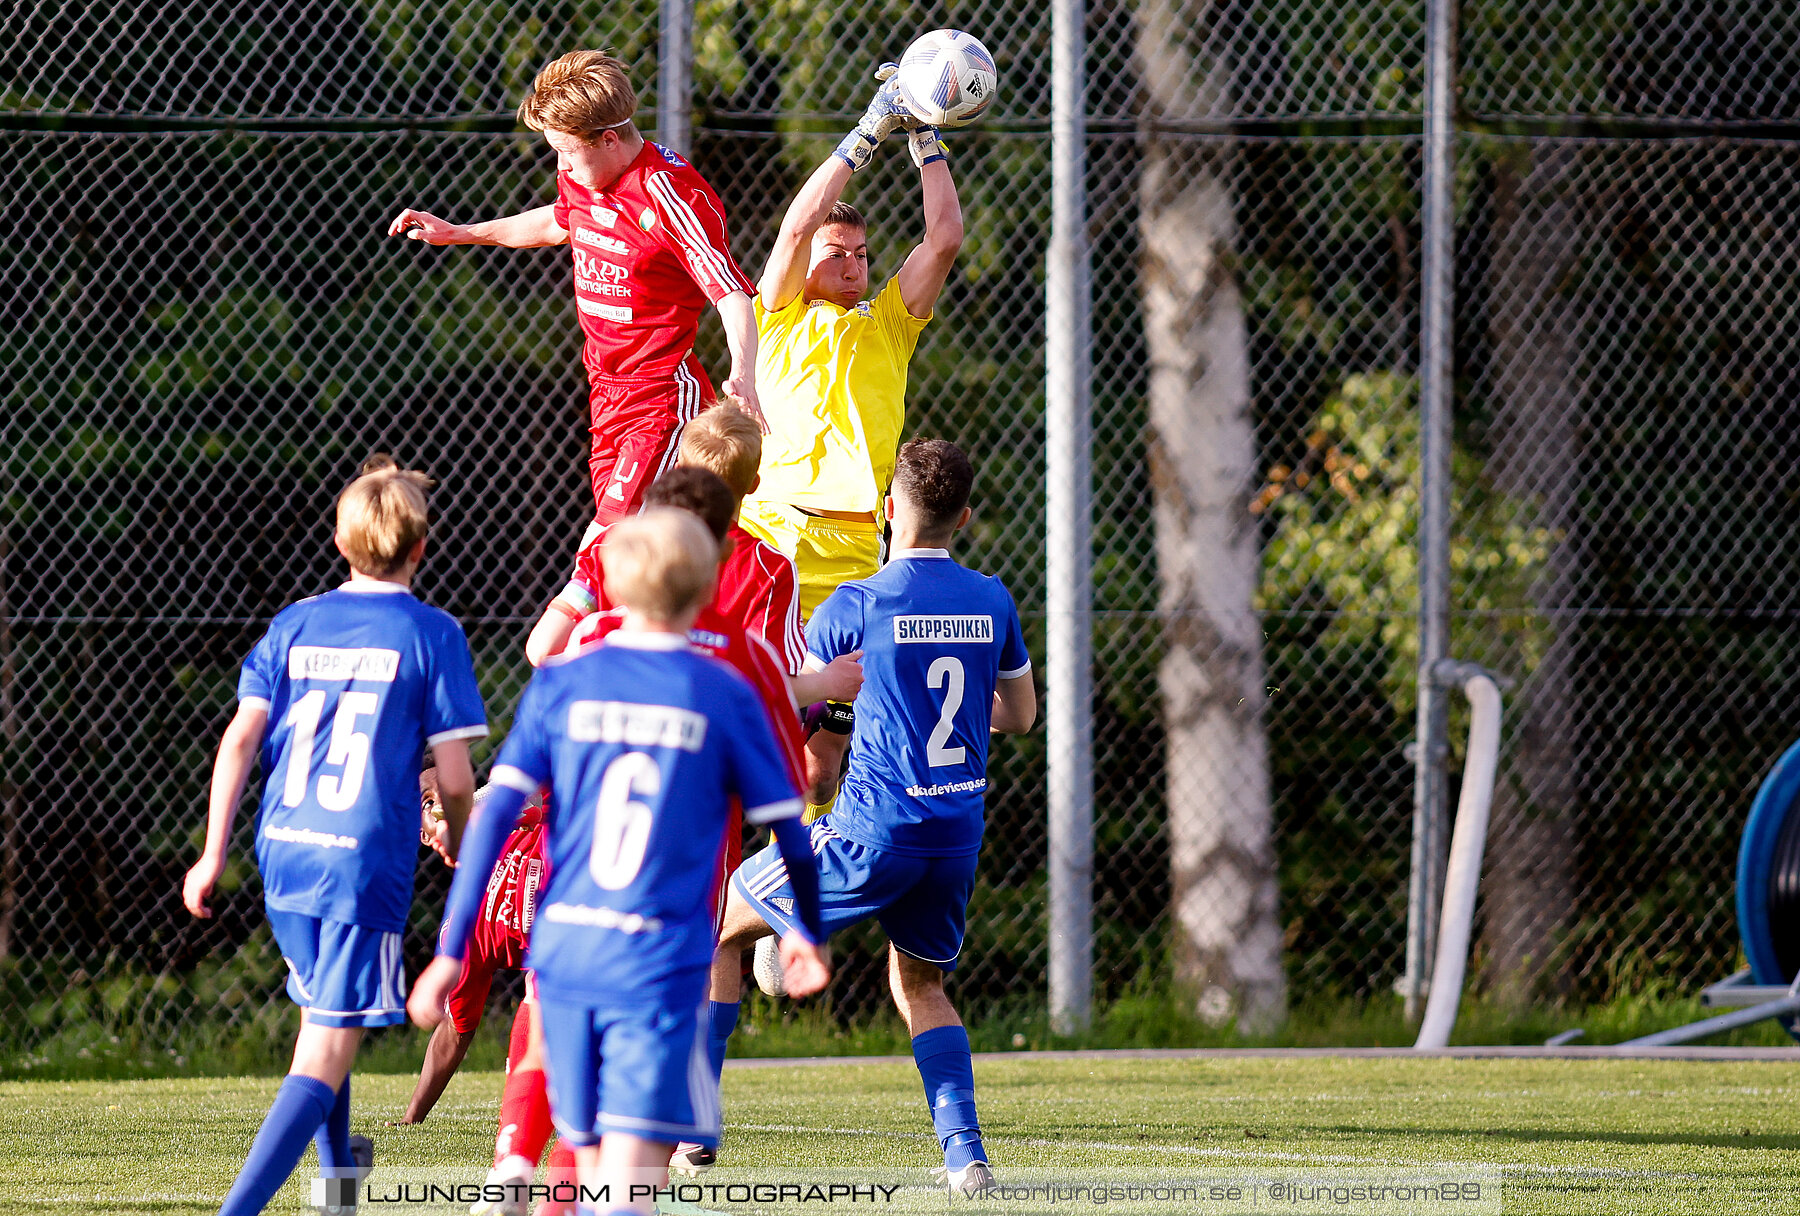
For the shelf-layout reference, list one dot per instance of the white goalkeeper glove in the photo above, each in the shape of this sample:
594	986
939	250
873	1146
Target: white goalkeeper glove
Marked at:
925	146
886	114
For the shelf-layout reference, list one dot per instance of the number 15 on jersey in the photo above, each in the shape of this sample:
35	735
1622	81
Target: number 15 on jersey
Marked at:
349	748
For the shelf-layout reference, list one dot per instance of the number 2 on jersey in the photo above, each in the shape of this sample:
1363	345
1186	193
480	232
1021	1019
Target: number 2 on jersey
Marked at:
621	823
948	673
349	747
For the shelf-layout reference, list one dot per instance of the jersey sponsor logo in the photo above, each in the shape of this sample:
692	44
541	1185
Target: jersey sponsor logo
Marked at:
600	918
600	277
612	244
338	663
977	629
975	786
323	840
534	879
518	874
606	217
708	639
606	312
636	725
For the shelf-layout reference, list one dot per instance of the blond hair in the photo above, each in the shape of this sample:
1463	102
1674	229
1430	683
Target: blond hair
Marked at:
724	440
583	93
660	563
382	515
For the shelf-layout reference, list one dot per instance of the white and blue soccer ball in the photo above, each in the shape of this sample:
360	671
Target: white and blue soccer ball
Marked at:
947	78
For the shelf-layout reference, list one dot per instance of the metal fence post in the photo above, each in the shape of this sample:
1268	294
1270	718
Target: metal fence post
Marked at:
675	76
1426	881
1068	528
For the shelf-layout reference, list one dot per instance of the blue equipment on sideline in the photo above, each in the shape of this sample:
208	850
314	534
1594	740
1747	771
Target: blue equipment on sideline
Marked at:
1768	915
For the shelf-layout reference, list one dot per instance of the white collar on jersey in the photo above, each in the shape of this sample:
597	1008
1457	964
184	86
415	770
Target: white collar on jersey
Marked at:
897	554
638	639
370	586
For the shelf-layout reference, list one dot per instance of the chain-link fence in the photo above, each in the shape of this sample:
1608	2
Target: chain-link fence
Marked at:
206	330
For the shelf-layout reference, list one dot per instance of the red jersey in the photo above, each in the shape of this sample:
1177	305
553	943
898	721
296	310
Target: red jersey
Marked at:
503	929
650	253
512	891
759	593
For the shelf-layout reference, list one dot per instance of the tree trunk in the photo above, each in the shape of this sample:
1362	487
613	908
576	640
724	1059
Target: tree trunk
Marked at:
1529	891
1202	456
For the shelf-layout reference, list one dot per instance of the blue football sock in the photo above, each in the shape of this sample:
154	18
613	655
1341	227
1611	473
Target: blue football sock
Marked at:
949	1075
722	1022
333	1137
300	1105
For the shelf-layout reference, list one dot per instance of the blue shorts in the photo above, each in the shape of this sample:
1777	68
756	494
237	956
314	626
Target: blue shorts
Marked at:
342	975
920	902
641	1070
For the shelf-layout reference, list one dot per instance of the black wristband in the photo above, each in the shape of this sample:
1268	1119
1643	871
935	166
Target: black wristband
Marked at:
839	718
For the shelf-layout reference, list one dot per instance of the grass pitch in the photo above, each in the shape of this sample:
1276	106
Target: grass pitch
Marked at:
1569	1136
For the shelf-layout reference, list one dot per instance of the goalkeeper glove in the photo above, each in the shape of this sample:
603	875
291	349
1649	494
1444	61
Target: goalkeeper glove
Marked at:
886	114
925	146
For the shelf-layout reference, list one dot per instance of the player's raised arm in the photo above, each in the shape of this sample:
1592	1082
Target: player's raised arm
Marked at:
231	769
784	275
927	267
534	229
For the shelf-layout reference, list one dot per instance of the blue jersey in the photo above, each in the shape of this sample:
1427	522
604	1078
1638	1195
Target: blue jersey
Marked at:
356	683
642	742
936	637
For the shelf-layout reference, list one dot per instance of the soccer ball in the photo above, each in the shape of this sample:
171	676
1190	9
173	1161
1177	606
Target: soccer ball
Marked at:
767	967
947	78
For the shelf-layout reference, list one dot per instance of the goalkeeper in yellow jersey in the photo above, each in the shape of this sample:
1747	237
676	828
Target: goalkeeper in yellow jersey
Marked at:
831	372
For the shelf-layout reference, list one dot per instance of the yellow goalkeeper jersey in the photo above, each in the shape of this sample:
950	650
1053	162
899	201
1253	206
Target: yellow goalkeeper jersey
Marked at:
833	386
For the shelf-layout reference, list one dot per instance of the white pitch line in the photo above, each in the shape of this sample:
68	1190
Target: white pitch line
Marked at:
1241	1154
151	1198
1788	1055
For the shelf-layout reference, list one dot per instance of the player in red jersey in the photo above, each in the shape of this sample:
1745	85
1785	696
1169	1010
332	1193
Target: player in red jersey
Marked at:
650	252
758	590
499	942
714	633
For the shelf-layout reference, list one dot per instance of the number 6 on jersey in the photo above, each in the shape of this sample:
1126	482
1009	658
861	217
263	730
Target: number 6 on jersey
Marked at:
621	823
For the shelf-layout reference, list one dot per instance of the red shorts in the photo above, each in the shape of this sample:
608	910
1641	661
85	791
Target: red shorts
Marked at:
491	948
635	428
